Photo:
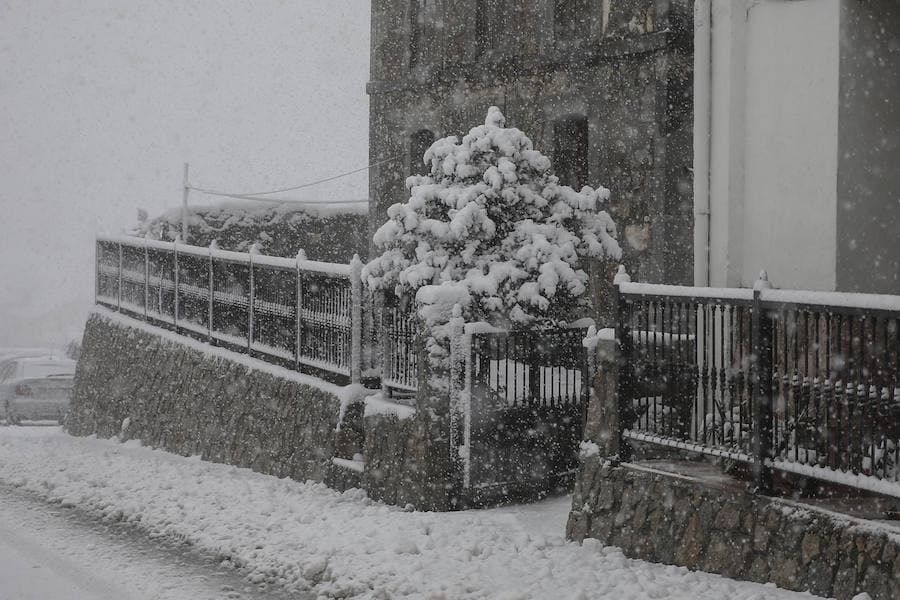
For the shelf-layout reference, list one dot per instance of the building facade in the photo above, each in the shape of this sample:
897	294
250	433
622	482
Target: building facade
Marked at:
798	144
603	87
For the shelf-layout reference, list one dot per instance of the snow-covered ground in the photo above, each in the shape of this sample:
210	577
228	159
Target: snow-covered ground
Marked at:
304	536
53	553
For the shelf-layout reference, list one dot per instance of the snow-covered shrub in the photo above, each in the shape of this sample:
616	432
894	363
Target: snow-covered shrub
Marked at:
491	216
330	233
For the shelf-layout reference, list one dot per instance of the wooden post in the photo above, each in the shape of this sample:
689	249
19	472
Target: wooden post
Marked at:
355	319
761	390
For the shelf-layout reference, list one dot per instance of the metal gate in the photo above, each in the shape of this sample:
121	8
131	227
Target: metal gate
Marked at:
525	411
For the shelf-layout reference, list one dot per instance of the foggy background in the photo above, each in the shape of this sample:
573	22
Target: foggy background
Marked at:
102	101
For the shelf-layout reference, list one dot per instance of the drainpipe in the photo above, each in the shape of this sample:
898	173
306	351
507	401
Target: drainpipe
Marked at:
702	137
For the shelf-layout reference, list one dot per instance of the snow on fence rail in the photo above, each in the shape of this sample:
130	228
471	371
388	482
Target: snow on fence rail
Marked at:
801	382
296	311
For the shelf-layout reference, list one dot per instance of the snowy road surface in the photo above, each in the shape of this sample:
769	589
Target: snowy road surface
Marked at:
303	536
52	553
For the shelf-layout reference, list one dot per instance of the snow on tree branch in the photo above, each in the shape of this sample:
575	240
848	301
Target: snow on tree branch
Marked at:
491	216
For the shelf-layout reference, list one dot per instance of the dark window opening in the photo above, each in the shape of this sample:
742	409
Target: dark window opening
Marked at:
419	143
488	21
417	12
570	151
570	20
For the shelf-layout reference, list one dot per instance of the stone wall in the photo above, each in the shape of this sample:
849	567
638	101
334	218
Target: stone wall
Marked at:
674	519
629	75
178	398
177	394
407	462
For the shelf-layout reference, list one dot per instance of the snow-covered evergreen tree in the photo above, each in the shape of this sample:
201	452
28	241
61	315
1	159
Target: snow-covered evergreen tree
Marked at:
491	226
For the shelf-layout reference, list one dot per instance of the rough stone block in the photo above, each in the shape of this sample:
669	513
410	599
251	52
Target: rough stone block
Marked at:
657	517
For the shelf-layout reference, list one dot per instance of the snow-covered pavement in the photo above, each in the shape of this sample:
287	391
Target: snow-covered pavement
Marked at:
52	553
304	536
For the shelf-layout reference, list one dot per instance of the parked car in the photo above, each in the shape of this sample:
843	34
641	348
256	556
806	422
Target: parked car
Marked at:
35	389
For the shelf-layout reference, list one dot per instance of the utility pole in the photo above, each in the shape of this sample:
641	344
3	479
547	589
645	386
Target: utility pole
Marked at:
184	206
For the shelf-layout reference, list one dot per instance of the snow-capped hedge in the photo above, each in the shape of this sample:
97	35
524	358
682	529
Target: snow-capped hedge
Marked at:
330	233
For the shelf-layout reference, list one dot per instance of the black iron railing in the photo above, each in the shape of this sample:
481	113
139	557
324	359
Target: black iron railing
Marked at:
530	367
802	382
517	406
401	346
304	313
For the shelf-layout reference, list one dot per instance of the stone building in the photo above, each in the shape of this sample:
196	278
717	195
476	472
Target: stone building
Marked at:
603	87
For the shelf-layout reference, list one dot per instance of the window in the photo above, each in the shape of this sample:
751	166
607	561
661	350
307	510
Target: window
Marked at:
570	20
488	20
417	10
419	143
570	151
420	16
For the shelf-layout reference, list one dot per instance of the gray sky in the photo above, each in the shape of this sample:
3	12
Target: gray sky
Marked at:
101	101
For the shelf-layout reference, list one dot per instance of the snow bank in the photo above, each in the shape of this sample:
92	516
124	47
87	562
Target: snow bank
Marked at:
308	537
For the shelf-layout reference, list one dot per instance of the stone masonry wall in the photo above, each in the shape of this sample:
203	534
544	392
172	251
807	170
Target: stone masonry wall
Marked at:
629	74
134	383
177	398
673	519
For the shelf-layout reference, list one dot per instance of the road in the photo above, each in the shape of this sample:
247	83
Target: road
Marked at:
53	553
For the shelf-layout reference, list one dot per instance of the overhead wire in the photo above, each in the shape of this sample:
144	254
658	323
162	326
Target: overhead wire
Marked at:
255	196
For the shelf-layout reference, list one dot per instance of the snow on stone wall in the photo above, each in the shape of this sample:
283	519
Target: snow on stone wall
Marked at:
137	381
679	520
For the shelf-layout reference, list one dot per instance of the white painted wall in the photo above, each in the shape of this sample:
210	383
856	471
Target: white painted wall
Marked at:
726	163
774	125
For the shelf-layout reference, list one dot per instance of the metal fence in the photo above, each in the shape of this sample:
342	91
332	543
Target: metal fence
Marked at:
299	312
518	407
401	347
530	367
807	383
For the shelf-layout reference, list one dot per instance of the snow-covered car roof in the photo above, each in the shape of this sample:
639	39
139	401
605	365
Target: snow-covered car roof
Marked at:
36	368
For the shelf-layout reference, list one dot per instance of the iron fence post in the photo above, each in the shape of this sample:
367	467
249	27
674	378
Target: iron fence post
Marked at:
355	319
623	379
97	252
254	249
146	277
119	288
175	293
534	373
389	330
457	382
761	390
298	319
213	246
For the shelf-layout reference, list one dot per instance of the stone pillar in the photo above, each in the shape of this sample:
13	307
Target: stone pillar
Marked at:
602	425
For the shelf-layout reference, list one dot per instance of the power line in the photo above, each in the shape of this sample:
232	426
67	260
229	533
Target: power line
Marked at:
255	195
279	200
